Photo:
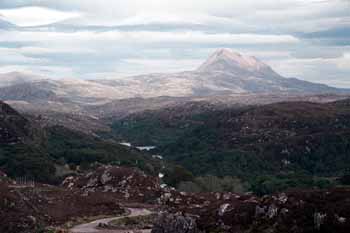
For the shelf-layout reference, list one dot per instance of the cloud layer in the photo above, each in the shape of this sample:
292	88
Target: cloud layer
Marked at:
308	39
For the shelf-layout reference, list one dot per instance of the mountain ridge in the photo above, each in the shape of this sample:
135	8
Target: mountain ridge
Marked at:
224	73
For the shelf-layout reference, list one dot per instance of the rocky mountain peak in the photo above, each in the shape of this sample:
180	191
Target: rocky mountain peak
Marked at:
228	60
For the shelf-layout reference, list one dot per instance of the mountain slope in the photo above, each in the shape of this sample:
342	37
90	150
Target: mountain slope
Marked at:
297	137
27	91
248	74
14	128
21	146
27	148
226	60
224	73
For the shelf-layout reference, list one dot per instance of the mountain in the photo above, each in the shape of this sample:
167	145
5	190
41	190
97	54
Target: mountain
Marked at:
226	77
224	73
73	90
226	60
245	74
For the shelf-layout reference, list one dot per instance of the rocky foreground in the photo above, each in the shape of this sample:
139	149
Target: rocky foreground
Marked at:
33	209
29	208
124	184
295	211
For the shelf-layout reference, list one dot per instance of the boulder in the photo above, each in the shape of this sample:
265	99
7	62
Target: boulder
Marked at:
175	223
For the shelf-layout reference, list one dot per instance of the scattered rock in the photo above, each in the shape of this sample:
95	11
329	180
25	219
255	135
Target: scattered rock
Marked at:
125	183
175	223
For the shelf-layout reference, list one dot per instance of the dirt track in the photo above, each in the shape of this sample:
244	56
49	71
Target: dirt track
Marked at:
92	226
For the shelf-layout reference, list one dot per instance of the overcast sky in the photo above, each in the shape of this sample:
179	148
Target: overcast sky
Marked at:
308	39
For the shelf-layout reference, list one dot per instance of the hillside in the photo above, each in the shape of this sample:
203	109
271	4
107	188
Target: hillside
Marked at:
32	209
14	128
38	151
305	211
278	139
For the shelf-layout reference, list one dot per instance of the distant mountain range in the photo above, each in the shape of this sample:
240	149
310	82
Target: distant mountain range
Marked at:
225	79
224	73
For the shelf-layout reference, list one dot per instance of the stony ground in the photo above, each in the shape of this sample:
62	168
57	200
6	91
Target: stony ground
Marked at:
29	209
128	184
86	201
295	211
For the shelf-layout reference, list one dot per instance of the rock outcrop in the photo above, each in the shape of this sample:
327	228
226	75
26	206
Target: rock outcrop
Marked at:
125	183
290	212
175	223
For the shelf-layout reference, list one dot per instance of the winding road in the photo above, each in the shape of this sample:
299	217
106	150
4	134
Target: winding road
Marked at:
92	226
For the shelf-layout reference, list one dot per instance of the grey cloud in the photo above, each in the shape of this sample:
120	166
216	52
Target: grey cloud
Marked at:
333	36
317	52
60	5
339	32
5	24
323	28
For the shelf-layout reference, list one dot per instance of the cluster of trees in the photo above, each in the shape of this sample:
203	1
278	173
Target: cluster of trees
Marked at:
315	148
184	180
214	184
27	161
47	162
267	184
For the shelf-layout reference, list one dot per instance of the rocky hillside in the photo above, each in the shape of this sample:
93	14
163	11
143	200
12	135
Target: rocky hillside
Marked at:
31	209
303	211
124	183
282	138
32	148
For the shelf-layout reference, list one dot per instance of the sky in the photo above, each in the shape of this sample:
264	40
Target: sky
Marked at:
89	39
